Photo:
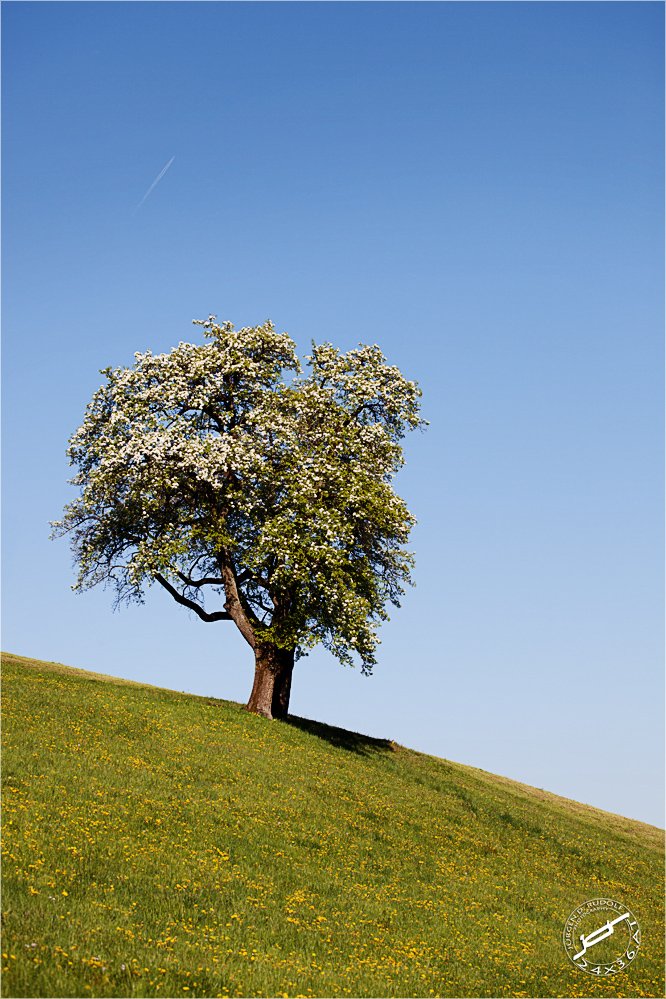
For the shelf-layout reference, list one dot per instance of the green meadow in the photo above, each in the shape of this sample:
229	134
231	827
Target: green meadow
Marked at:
161	844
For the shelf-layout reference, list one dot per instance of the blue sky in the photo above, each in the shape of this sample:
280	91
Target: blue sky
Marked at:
476	187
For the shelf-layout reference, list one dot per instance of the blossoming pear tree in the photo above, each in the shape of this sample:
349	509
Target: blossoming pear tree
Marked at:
209	471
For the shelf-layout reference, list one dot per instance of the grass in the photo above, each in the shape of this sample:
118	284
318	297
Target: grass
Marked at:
162	844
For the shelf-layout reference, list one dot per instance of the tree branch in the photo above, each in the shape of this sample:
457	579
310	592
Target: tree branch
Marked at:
179	598
216	581
233	602
200	582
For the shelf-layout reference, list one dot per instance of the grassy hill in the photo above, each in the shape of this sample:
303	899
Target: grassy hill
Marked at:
162	844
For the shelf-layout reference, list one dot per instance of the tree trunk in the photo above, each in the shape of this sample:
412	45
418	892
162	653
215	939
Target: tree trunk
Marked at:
272	681
282	685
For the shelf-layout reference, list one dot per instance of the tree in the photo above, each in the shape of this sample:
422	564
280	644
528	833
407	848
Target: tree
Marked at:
206	471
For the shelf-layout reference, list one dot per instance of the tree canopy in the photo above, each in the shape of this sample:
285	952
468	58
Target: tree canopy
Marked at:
210	471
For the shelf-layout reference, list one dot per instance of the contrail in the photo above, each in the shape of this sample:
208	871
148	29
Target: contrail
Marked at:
157	179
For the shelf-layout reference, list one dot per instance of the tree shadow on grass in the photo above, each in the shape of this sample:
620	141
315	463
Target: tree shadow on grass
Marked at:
353	742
